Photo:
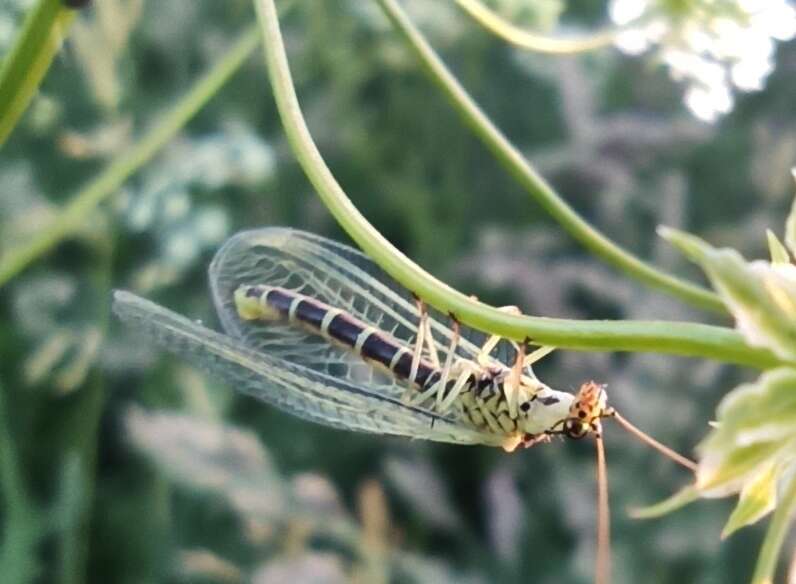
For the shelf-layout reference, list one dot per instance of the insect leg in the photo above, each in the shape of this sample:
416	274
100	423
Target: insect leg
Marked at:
489	417
446	370
530	440
483	355
537	355
418	398
419	342
464	377
603	560
438	388
529	378
422	339
511	387
425	322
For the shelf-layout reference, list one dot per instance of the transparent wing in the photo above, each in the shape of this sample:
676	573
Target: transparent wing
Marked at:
294	388
337	275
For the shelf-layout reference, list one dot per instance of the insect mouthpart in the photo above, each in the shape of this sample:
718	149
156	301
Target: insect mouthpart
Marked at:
576	428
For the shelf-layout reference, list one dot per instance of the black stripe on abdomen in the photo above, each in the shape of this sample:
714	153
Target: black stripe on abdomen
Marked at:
379	349
279	300
347	330
311	313
344	329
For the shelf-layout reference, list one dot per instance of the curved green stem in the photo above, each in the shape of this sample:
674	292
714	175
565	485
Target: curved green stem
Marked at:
75	213
781	520
531	181
541	43
666	337
24	67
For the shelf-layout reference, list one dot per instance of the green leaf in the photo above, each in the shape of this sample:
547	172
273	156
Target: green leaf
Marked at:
22	70
771	400
779	255
758	498
761	295
680	499
756	426
733	470
689	245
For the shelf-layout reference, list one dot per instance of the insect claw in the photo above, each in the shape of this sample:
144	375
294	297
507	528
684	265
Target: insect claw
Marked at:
529	440
511	442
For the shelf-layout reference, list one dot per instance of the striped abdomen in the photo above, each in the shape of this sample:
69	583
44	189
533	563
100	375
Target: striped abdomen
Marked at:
277	304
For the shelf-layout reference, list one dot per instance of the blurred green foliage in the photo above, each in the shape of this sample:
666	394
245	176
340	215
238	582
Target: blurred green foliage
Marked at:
90	416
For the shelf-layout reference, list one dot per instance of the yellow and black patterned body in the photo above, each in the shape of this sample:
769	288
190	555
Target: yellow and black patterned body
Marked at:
338	326
482	399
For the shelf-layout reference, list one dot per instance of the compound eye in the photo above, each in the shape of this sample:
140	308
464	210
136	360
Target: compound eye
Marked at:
575	428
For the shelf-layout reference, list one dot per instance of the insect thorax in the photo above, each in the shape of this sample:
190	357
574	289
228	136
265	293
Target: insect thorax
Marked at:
545	411
538	410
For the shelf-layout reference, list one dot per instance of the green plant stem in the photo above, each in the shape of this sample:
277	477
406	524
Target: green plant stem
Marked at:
540	43
23	69
22	522
76	212
80	414
667	337
513	160
781	520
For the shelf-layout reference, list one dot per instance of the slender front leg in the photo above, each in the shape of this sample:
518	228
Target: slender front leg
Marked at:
447	401
438	389
537	355
529	377
533	439
511	387
425	322
420	341
483	355
446	370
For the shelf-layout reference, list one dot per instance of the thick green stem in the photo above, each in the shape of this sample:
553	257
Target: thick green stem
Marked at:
513	160
666	337
532	41
76	212
23	69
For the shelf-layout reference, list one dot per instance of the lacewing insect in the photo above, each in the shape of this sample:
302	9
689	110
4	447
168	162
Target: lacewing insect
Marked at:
315	328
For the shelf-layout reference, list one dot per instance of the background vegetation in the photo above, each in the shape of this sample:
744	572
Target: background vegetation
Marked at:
121	465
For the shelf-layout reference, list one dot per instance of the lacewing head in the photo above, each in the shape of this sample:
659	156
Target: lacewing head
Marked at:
588	407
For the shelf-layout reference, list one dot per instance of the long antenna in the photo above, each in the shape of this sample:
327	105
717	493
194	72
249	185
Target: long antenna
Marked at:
649	440
603	566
